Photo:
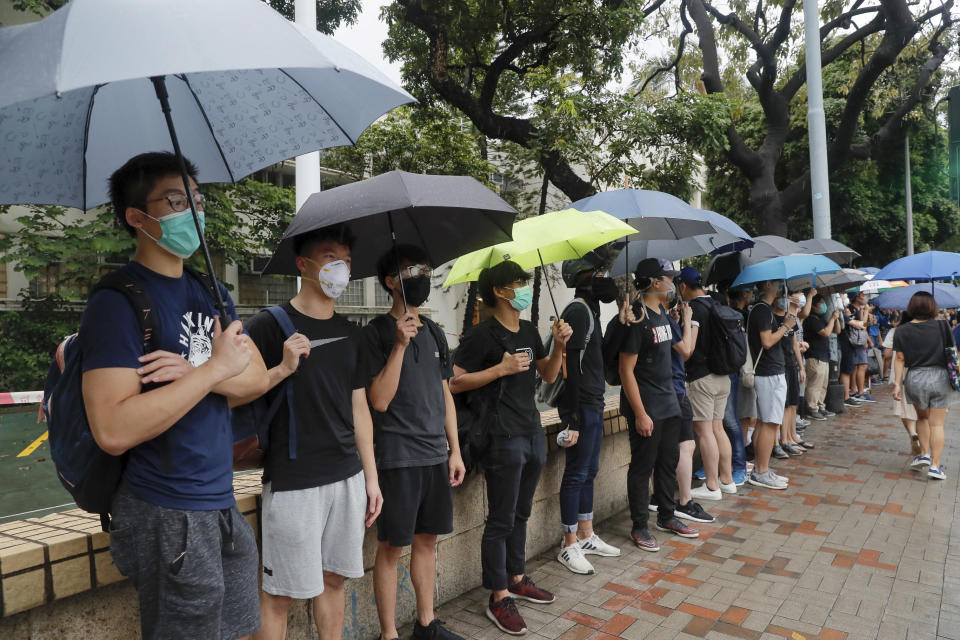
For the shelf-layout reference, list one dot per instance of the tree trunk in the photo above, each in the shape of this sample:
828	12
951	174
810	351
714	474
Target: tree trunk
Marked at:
766	205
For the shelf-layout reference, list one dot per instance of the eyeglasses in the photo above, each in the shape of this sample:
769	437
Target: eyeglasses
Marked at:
179	201
415	270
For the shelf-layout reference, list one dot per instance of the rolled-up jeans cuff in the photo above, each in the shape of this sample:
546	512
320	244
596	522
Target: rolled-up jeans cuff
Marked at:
569	528
585	517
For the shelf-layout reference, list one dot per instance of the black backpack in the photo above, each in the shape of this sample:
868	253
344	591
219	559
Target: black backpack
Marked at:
728	338
477	415
86	471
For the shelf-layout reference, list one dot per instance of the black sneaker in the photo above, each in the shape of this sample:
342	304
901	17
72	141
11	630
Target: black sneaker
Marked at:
643	539
674	526
815	415
433	631
827	413
692	511
851	402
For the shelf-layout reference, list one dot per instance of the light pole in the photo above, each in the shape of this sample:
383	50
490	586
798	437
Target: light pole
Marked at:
909	193
308	165
816	123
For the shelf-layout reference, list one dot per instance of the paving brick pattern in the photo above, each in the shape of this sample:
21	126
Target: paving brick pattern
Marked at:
858	547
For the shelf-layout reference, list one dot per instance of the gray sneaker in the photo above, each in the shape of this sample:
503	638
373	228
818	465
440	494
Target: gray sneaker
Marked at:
768	480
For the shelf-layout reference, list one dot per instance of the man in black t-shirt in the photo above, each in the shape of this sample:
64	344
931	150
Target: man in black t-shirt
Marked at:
320	478
764	332
708	393
414	427
649	404
500	357
817	329
581	411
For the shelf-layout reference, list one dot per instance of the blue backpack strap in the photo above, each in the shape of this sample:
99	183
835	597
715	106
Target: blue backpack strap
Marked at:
286	325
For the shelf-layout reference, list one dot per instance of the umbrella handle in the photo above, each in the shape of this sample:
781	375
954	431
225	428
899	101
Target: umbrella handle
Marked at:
396	256
549	290
160	86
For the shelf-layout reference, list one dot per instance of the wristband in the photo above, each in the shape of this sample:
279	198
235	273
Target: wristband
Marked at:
694	323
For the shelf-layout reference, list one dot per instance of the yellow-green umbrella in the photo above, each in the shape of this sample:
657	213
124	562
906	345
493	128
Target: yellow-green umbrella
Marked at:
552	237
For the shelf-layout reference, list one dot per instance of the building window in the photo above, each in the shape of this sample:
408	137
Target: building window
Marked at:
46	282
381	298
264	291
354	294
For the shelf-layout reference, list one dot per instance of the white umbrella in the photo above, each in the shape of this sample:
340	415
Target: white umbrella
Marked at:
230	84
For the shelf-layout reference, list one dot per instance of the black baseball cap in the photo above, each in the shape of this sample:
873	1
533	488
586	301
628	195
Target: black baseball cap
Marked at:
654	268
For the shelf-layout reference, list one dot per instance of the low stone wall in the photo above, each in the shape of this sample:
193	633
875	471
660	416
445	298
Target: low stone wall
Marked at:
57	579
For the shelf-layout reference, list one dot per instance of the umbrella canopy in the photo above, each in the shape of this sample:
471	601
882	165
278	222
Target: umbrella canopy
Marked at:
786	268
834	250
671	249
653	214
830	282
929	265
946	295
726	267
723	223
552	237
444	215
247	89
875	286
870	270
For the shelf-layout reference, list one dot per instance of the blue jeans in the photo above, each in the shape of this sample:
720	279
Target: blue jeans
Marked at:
731	424
583	463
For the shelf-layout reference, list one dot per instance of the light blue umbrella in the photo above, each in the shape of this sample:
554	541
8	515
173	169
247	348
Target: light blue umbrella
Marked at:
786	268
230	84
946	295
723	223
870	270
929	265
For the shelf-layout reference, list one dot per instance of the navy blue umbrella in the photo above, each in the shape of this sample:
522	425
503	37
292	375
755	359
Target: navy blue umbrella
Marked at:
946	295
929	265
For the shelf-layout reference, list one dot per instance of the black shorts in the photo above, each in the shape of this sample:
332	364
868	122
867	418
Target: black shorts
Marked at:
686	418
793	385
415	500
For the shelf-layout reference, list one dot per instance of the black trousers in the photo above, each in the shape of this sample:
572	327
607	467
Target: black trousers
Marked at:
512	467
657	453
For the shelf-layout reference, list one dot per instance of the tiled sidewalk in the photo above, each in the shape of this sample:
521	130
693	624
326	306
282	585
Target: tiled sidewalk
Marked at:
859	546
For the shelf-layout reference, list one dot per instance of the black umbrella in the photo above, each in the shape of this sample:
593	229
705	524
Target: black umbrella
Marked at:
446	216
836	251
726	267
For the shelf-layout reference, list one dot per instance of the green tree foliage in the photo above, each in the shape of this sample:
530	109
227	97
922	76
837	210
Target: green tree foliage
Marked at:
330	13
543	75
28	340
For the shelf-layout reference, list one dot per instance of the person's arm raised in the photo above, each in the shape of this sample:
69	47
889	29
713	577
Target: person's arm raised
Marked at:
384	385
121	417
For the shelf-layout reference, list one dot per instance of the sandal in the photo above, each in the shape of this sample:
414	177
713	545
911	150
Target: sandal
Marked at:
806	445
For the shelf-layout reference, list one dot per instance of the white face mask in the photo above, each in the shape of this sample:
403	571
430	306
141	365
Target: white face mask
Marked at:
333	277
801	300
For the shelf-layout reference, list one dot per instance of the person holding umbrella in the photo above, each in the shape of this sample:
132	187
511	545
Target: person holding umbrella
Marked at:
817	329
921	346
320	476
168	411
415	439
503	354
581	410
764	333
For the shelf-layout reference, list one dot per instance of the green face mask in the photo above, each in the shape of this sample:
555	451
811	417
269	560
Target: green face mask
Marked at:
178	233
522	298
822	309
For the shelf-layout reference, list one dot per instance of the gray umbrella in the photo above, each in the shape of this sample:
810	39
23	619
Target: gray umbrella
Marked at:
447	216
670	249
726	267
100	81
831	282
836	251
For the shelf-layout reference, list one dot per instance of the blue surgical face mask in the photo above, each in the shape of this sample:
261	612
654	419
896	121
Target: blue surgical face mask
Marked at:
178	233
522	298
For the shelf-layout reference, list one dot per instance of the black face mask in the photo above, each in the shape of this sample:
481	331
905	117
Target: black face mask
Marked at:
417	290
604	289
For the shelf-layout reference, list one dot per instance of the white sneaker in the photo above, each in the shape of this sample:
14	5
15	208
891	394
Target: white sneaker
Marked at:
572	558
783	479
595	546
703	493
728	488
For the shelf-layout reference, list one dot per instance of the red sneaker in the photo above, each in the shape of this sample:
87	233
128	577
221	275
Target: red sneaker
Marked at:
504	614
530	592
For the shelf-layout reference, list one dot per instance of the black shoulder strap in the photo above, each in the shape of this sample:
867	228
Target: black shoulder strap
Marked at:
443	346
125	284
202	278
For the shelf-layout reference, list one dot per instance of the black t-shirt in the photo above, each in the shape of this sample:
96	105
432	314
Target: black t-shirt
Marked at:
786	343
762	318
652	340
921	344
819	345
483	346
410	433
696	365
323	387
592	385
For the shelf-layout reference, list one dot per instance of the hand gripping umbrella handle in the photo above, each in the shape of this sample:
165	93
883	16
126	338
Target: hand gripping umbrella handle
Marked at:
160	86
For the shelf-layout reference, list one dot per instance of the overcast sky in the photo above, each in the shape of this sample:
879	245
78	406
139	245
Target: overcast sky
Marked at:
366	38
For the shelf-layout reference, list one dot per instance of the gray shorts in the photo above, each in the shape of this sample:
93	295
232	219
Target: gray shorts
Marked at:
746	402
195	571
309	531
928	388
771	396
